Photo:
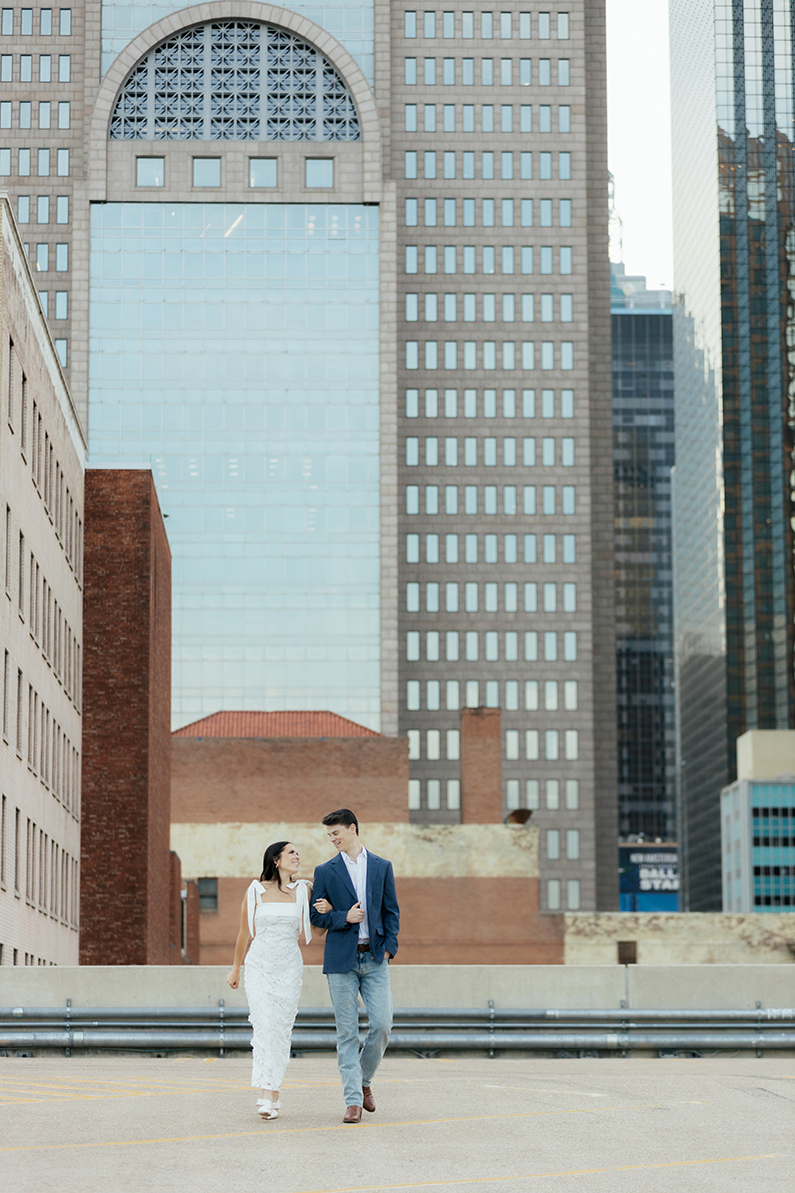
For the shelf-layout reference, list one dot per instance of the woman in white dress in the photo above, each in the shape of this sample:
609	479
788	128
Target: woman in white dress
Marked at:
274	911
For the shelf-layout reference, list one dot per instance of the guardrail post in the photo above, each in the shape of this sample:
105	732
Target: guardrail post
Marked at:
222	1050
624	1026
68	1050
759	1024
491	1027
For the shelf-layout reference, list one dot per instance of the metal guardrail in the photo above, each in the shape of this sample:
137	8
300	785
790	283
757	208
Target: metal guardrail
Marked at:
418	1029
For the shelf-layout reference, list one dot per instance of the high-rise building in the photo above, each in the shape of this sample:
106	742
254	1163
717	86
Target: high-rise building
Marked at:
734	185
643	456
42	461
340	277
758	825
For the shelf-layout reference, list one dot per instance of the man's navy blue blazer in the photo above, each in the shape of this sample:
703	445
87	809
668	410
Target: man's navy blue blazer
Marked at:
333	882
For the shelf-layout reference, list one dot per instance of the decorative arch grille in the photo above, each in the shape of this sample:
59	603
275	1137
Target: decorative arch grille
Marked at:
234	81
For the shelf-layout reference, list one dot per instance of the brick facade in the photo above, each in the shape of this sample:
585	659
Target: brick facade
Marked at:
481	766
126	894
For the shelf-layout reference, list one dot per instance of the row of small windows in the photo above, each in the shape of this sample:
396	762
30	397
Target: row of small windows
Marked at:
488	355
433	794
489	647
557	794
492	306
511	213
262	172
488	406
45	73
479	694
45	160
431	164
491	548
491	70
429	122
451	592
491	25
45	115
45	207
490	499
60	304
44	258
772	842
45	22
554	894
508	256
487	453
434	738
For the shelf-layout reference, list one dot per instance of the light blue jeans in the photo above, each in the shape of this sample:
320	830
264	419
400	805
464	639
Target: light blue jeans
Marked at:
357	1066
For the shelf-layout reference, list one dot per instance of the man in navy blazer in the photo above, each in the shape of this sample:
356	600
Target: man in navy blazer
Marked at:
355	900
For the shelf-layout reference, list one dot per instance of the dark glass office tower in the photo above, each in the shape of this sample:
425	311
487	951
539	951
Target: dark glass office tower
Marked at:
643	455
732	107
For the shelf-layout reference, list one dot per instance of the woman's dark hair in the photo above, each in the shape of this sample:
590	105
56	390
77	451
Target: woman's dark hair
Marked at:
341	816
270	862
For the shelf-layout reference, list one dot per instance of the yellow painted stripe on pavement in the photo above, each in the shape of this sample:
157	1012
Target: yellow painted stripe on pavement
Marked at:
421	1122
529	1176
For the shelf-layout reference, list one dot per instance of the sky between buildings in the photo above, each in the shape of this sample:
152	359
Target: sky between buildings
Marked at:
639	134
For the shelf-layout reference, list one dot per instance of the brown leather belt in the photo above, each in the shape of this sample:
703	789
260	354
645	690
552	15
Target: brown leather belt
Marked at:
362	948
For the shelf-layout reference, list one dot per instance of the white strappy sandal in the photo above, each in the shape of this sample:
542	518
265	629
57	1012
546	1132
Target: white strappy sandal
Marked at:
267	1109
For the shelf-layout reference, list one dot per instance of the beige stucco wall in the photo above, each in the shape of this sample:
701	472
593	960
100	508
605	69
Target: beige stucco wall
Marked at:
415	850
676	939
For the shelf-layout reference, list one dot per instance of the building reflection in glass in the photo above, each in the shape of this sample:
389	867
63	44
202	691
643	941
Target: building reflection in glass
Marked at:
734	213
235	349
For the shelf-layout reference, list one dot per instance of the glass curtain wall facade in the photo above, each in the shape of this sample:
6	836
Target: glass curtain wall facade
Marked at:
342	285
643	456
260	323
740	304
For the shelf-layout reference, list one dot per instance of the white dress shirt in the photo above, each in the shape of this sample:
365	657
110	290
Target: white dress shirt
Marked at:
357	872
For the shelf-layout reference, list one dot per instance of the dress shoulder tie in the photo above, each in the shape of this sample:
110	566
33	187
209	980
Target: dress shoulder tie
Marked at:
252	895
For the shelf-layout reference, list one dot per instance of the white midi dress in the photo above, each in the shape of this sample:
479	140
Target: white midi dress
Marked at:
272	976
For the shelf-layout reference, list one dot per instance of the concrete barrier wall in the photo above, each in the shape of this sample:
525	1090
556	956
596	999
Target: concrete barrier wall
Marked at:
519	986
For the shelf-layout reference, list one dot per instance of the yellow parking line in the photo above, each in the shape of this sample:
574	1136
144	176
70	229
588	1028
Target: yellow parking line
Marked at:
421	1122
529	1176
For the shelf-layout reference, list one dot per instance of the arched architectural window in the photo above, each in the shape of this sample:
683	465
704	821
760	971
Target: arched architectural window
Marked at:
234	81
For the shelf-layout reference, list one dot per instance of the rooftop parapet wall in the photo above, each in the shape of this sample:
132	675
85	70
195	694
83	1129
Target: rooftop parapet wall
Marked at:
229	850
698	938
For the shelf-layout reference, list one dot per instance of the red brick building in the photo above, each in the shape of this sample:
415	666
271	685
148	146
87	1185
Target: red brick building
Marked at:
130	885
468	893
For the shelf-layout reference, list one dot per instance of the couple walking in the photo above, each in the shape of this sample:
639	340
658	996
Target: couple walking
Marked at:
354	901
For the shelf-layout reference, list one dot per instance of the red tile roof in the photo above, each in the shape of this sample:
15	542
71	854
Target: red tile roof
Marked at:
274	724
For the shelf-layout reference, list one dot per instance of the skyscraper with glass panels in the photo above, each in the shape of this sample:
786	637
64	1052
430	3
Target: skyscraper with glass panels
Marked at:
339	275
643	447
734	187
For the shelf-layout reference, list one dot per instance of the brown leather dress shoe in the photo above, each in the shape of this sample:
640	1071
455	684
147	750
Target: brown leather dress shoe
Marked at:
353	1114
368	1101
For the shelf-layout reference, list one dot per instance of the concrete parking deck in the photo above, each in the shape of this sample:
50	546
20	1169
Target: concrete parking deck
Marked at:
504	1125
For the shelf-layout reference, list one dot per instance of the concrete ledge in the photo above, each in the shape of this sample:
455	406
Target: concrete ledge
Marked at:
517	986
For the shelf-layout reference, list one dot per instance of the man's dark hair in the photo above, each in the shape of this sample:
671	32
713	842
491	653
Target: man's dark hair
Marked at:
342	816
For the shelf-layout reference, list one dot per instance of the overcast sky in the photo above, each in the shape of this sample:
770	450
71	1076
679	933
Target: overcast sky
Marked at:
639	133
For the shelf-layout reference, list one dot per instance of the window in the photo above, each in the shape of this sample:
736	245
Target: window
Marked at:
429	24
410	24
7	26
208	894
262	171
62	257
172	104
564	166
320	172
487	72
429	76
410	118
410	71
448	24
65	23
26	22
563	26
45	68
63	163
207	171
553	844
415	793
150	171
63	115
564	119
64	68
